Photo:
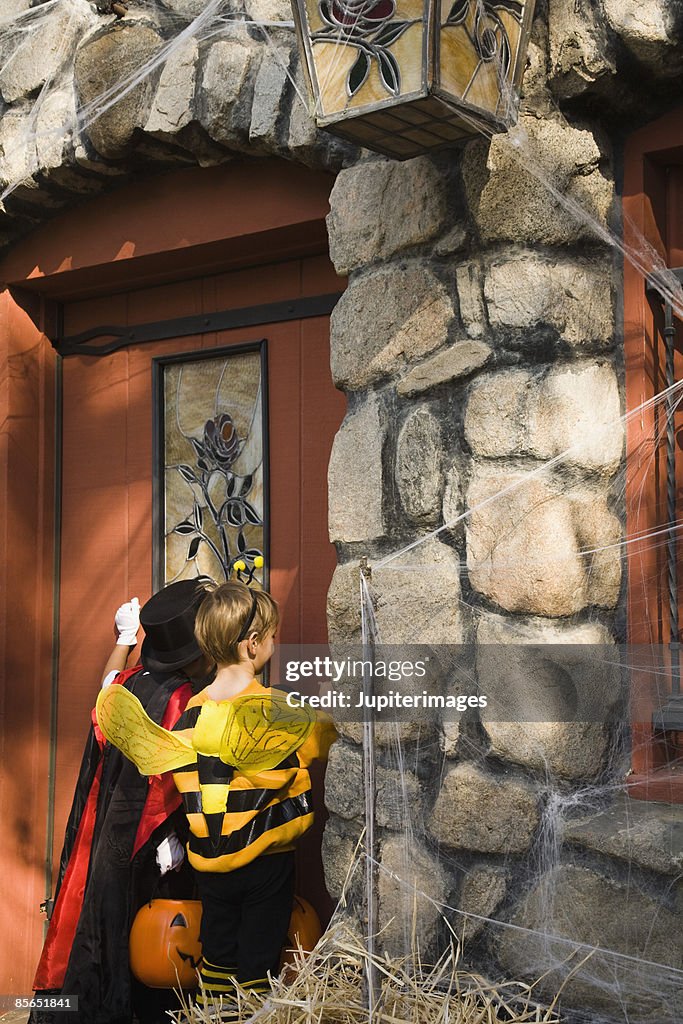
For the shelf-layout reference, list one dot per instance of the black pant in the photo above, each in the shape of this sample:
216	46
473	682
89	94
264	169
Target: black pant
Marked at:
245	915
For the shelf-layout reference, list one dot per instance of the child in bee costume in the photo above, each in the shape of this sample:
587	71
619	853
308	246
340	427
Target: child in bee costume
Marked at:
239	755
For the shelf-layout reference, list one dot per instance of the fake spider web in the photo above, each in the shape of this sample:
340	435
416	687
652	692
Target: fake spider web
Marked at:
530	930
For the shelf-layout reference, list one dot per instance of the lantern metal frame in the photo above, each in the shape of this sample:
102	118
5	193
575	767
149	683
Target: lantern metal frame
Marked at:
423	120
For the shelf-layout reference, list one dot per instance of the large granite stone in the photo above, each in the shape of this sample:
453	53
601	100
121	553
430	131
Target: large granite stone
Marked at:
399	799
649	835
578	410
173	104
412	886
537	547
397	793
340	841
385	321
571	296
581	49
270	10
18	158
536	96
417	600
343	605
482	812
453	363
355	476
268	106
305	143
506	184
483	890
30	59
418	597
579	905
344	781
574	409
418	467
599	534
225	88
101	63
497	413
550	689
378	208
55	125
650	31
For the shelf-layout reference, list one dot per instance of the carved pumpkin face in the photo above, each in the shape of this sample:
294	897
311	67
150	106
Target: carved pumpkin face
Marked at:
164	943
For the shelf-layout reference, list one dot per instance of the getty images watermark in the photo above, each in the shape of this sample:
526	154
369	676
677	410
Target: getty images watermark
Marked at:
337	671
494	682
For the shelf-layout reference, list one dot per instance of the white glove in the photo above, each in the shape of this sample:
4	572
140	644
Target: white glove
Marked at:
127	622
170	854
110	677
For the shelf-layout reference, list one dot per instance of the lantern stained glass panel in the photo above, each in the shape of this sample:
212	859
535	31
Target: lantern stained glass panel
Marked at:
365	51
404	77
479	40
211	460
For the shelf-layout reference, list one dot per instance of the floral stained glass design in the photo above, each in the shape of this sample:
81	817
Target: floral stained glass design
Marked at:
479	40
365	51
404	77
214	487
370	28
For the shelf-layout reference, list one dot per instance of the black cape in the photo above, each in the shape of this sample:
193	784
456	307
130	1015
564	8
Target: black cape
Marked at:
98	971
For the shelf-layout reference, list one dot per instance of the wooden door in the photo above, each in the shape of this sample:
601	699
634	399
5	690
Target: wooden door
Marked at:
107	513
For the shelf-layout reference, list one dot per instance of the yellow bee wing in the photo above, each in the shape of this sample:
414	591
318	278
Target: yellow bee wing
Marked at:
126	724
262	730
209	728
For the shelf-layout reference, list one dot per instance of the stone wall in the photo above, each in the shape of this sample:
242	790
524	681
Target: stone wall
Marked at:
478	338
71	125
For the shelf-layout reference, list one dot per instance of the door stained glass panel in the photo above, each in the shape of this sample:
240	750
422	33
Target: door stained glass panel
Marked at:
211	462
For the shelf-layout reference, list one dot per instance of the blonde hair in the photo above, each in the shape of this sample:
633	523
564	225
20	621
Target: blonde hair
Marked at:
224	613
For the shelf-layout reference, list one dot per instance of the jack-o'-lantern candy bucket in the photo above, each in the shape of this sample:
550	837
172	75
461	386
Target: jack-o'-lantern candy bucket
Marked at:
164	946
304	931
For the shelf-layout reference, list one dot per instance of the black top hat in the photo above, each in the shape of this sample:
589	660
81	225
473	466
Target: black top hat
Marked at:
168	620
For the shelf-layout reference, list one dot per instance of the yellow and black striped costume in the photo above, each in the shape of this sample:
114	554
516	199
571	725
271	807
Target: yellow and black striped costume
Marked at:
241	766
235	817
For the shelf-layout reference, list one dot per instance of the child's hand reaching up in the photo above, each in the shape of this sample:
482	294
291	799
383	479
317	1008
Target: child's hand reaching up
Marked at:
127	622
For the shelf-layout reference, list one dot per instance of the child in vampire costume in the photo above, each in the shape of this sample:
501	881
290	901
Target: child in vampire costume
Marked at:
240	755
121	831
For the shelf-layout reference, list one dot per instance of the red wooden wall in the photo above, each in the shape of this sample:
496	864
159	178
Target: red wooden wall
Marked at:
27	368
193	242
653	206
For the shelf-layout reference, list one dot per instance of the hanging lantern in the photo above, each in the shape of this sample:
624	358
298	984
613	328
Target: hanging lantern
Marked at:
404	77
